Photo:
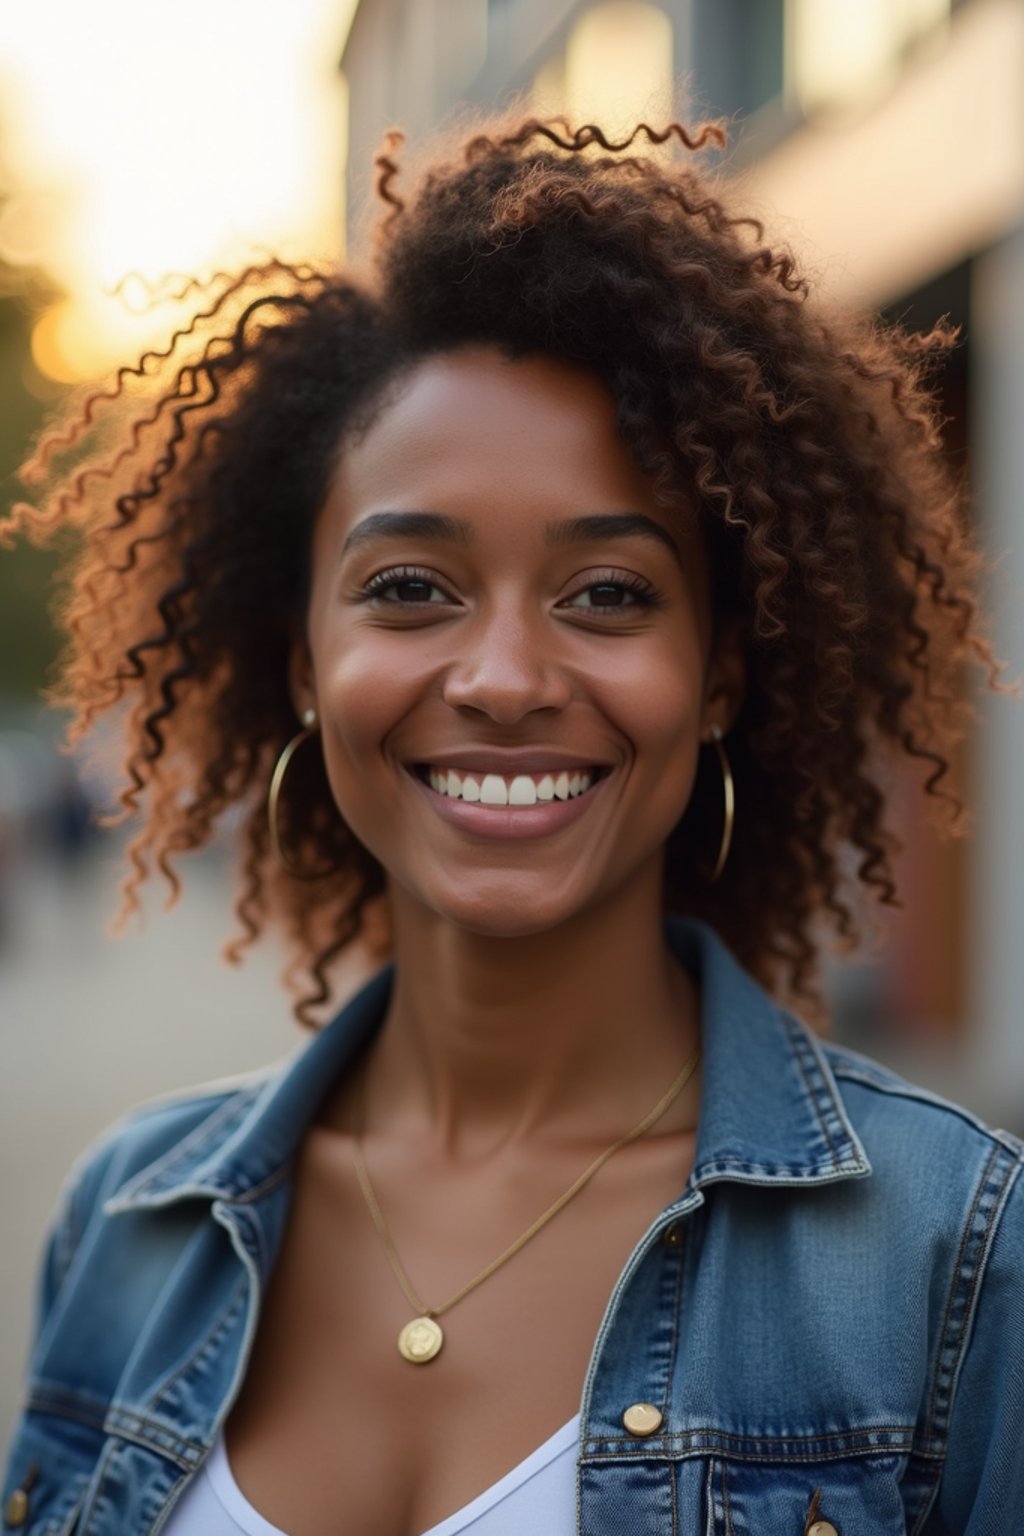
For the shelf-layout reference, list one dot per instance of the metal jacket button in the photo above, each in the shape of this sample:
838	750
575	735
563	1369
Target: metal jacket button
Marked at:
16	1508
644	1419
822	1528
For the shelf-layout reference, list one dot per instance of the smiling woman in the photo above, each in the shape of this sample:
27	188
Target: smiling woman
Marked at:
516	650
548	600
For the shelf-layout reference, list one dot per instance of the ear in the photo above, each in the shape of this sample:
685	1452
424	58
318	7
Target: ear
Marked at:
301	676
725	683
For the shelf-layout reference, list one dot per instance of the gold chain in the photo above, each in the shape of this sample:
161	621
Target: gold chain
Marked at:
381	1225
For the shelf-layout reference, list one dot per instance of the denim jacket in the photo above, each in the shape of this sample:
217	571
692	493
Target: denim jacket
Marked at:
828	1321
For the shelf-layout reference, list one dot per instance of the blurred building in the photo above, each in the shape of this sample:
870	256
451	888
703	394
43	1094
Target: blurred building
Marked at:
883	140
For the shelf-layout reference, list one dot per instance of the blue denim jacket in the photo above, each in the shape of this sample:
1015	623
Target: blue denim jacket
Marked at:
829	1318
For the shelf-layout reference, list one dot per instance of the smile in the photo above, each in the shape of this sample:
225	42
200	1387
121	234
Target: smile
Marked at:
495	789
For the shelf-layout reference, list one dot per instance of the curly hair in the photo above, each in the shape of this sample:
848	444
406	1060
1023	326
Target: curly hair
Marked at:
806	445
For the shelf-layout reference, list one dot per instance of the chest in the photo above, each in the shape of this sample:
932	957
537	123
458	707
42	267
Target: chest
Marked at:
791	1359
333	1428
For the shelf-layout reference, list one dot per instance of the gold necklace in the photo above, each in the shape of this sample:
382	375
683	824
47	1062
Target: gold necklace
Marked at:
421	1338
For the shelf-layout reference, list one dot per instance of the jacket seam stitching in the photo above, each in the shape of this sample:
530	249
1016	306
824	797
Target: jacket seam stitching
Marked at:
927	1502
256	1191
953	1286
241	1195
197	1141
95	1484
687	1453
801	1044
674	1345
125	1435
948	1342
36	1402
1004	1139
126	1424
725	1434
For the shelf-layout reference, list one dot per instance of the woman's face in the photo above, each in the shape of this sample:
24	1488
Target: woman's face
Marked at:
497	596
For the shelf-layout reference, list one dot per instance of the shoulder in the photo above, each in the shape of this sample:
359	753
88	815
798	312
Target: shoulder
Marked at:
146	1133
157	1124
955	1187
887	1105
935	1163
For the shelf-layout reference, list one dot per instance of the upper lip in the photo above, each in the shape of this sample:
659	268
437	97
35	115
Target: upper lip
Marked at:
528	760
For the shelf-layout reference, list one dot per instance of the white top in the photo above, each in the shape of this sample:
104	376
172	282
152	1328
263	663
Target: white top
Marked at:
539	1496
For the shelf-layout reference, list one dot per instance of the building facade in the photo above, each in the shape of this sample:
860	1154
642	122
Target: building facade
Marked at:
883	140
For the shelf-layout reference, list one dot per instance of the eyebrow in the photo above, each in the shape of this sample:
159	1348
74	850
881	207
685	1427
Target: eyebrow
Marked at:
591	528
598	526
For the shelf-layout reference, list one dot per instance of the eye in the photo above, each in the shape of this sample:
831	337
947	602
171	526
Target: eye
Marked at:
618	592
410	583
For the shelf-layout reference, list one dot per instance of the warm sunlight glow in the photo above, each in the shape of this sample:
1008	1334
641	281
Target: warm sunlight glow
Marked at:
618	66
839	52
164	137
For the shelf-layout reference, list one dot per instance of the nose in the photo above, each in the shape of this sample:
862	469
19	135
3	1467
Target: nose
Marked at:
507	667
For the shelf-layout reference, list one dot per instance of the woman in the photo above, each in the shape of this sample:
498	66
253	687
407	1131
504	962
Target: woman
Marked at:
548	600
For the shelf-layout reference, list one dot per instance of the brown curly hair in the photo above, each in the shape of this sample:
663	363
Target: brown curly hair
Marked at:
809	446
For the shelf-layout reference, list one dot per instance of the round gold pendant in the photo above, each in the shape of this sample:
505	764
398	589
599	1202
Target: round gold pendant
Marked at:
420	1340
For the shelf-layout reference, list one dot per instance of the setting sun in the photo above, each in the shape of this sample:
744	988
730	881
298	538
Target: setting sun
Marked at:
163	139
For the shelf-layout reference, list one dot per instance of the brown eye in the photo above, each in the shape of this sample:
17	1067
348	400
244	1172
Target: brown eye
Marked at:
619	596
414	587
411	587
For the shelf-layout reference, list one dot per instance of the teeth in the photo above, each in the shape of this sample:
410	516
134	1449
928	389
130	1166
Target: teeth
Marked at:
521	789
493	790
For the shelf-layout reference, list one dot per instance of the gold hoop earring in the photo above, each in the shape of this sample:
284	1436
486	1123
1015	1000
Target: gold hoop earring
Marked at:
729	794
310	727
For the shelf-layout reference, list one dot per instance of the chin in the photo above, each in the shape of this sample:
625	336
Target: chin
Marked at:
503	915
504	927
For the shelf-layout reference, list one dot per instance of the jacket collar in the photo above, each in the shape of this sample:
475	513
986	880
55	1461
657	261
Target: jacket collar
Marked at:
771	1112
770	1108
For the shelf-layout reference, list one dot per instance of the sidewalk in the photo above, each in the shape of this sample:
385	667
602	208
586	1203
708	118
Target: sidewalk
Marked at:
90	1025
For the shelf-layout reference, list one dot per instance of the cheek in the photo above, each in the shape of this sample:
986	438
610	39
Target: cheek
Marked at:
655	692
656	703
366	688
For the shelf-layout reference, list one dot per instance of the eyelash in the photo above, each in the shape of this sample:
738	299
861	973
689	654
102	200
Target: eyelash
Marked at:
645	597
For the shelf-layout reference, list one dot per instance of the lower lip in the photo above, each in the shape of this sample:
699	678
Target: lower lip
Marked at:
504	822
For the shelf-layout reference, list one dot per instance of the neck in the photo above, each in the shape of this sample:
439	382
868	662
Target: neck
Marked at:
571	1033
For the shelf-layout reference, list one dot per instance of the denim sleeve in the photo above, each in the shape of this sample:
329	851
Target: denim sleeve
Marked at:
982	1485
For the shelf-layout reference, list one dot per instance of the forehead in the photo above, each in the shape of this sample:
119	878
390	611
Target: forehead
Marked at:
476	433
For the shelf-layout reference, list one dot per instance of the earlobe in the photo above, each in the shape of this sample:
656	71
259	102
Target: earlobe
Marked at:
726	681
301	677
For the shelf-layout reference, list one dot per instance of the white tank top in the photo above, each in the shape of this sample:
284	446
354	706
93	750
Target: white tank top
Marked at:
539	1496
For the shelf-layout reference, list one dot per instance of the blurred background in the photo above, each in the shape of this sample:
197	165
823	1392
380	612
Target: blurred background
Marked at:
883	140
